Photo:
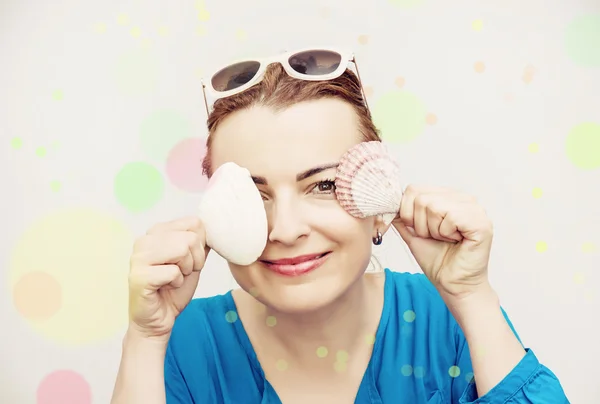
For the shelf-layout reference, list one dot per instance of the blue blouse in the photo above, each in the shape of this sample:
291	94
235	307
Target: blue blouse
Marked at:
420	355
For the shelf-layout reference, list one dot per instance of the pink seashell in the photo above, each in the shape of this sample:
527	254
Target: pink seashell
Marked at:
368	182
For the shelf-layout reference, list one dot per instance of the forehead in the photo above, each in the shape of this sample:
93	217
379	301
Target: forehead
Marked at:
269	142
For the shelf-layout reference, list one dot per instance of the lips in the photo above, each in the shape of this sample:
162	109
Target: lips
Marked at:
296	260
298	265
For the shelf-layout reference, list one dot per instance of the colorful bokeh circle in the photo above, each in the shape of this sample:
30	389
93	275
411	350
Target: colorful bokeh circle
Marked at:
400	115
68	276
37	296
138	186
409	316
583	146
64	387
406	370
184	165
231	316
582	40
454	371
161	131
406	4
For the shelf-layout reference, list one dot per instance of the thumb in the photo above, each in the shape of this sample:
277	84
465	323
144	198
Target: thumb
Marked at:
185	293
407	233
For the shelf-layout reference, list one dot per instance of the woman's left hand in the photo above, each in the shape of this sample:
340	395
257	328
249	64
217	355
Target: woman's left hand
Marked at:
449	235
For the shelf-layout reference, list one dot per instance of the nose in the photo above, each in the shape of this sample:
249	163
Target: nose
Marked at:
287	223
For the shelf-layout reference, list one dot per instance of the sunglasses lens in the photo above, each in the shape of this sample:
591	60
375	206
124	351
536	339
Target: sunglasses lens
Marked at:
235	76
315	62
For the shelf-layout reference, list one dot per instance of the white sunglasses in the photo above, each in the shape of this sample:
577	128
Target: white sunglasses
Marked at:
311	64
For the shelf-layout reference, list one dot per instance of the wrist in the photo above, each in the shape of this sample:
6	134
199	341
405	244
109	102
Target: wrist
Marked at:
134	337
463	295
475	306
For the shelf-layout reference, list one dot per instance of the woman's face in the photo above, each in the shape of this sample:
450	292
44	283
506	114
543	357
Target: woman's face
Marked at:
292	154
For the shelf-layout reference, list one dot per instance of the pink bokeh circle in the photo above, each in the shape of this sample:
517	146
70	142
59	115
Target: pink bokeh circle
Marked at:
184	165
64	387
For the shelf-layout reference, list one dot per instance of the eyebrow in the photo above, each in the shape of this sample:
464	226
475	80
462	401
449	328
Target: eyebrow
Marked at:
300	176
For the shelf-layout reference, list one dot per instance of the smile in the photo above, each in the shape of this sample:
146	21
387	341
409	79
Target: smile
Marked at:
297	266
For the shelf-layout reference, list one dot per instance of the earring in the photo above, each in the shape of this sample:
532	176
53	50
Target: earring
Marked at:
378	239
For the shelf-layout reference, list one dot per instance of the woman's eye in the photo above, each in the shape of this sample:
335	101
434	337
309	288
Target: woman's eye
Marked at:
263	194
324	187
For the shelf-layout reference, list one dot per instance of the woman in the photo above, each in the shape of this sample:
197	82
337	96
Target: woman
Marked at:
308	324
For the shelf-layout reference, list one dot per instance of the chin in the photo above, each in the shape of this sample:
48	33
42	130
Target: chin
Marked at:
302	299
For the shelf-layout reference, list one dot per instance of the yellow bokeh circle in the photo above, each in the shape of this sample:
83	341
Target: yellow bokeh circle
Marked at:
541	246
68	276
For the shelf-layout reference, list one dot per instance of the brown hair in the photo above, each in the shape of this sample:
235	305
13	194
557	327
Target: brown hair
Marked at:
278	90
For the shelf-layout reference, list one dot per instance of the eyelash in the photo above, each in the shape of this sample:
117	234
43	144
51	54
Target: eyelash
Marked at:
328	182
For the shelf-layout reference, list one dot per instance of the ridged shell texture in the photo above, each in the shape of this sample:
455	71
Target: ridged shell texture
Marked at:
368	181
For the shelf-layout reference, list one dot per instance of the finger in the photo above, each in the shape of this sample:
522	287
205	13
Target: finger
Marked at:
407	233
421	218
185	248
436	213
426	218
155	277
189	223
199	251
177	282
181	283
430	207
407	205
471	223
434	220
187	264
449	227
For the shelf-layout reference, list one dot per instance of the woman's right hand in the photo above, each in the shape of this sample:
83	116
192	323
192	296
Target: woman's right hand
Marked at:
164	271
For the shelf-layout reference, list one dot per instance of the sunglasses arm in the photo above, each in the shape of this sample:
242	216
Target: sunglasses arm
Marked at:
205	101
361	83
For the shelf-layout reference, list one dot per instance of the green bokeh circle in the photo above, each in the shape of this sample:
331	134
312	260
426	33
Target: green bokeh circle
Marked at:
406	370
582	146
582	40
406	3
16	143
231	316
409	316
161	131
400	116
138	186
454	371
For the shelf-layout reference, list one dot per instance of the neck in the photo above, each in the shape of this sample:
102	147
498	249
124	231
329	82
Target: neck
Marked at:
341	328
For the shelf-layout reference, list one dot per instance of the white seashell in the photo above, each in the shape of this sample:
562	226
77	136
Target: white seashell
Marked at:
234	216
368	182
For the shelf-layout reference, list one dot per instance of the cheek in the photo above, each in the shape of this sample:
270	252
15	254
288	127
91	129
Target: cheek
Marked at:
353	238
242	275
336	224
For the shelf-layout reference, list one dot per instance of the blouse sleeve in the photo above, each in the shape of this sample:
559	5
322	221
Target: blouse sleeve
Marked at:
176	389
529	382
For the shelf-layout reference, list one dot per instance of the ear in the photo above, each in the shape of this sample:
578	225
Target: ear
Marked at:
380	225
